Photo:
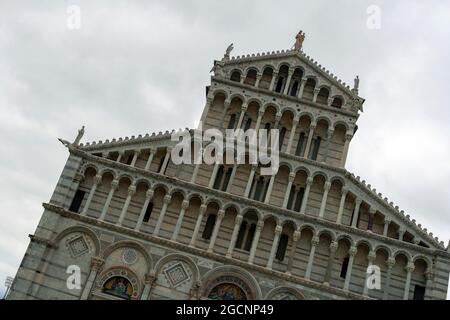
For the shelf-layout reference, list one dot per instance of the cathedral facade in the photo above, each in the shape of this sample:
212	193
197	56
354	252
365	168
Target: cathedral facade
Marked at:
137	226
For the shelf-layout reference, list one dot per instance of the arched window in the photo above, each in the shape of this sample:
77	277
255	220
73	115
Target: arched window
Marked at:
282	246
316	147
250	79
337	103
281	138
209	227
266	78
279	85
77	200
344	267
323	95
250	236
232	121
301	141
236	76
148	212
219	176
294	88
308	92
248	123
241	235
299	199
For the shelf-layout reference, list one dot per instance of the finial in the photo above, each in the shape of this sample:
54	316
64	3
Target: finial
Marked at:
299	38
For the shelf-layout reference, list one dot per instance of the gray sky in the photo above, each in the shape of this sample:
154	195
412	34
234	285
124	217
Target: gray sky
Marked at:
136	68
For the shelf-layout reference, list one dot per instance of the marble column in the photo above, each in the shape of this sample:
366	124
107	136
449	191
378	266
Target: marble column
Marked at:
330	133
401	233
148	198
258	79
224	113
166	202
409	269
288	81
96	264
241	117
371	258
258	230
276	240
149	281
333	249
312	127
258	121
288	189
214	173
119	158
314	243
291	137
372	212
348	274
233	174
166	161
217	225
250	181
131	192
273	80
97	181
295	239
309	182
269	189
302	88
135	157
390	262
356	213
114	186
237	225
316	93
150	158
323	204
184	206
344	192
429	275
348	138
201	213
387	222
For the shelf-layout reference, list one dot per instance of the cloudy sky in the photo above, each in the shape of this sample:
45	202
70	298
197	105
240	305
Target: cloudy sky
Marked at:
135	68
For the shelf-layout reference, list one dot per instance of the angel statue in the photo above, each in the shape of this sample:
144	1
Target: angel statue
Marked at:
229	49
76	141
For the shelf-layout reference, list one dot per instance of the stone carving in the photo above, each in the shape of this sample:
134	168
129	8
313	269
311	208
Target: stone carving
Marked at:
129	256
76	141
228	51
77	246
177	274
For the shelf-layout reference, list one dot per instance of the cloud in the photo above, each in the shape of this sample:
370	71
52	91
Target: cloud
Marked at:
137	67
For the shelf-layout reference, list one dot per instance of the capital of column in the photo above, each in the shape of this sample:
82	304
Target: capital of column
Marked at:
238	219
372	256
96	263
278	229
312	126
344	190
387	220
114	184
220	214
390	262
372	211
358	201
167	199
149	278
169	150
316	90
244	106
429	275
152	150
333	246
137	152
327	186
185	204
227	103
309	181
291	176
202	208
348	137
410	267
315	241
352	251
260	225
149	194
278	116
296	235
78	177
97	179
330	133
131	190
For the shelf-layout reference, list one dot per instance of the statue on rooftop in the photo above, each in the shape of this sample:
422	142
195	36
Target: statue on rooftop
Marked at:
76	141
356	85
299	38
228	51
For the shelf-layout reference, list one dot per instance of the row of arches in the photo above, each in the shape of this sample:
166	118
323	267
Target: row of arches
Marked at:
260	238
289	81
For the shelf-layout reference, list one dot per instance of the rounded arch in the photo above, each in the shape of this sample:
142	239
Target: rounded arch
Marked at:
80	229
159	185
341	123
324	119
269	216
231	205
304	169
320	173
180	191
126	176
308	226
338	179
328	232
108	170
271	104
128	244
196	195
307	114
288	221
255	101
383	248
403	252
427	260
250	68
286	164
344	236
176	256
215	201
238	96
277	293
122	272
283	64
219	91
87	166
289	109
337	101
252	210
143	181
242	278
364	242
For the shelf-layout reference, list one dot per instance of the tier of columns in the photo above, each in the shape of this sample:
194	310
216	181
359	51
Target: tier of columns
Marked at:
237	225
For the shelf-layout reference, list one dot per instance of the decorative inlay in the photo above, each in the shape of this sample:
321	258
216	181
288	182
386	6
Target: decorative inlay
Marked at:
129	256
77	246
177	274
